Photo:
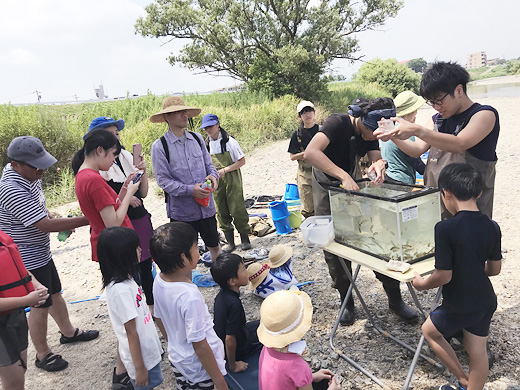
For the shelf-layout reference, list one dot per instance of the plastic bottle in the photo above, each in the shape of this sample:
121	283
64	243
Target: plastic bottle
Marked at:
62	236
204	202
207	184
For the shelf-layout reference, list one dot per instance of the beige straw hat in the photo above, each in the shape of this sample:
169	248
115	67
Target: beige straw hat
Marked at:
279	255
257	272
173	104
407	102
285	317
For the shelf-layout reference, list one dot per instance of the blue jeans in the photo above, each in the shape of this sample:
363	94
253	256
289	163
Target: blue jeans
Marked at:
155	378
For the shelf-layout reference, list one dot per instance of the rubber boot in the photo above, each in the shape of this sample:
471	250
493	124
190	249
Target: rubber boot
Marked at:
246	244
230	238
397	305
348	316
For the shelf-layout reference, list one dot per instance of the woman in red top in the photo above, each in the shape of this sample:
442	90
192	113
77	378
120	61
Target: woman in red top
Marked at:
100	203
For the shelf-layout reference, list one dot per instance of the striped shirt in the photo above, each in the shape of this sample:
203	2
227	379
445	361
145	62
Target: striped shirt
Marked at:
22	203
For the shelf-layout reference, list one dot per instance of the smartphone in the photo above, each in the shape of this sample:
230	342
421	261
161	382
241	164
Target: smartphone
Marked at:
138	177
137	153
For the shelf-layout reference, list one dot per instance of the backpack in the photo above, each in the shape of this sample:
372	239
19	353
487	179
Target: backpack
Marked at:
15	281
167	153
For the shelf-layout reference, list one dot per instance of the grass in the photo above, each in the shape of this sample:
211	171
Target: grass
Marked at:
487	72
252	118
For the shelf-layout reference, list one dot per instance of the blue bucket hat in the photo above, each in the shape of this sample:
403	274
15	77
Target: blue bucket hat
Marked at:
103	122
209	120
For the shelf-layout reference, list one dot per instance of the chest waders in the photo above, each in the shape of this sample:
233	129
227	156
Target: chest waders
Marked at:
229	200
438	159
304	181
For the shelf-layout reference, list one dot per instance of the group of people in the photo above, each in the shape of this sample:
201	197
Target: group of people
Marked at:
111	185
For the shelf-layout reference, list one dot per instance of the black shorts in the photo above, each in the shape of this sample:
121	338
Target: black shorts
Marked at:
449	324
48	276
207	228
13	336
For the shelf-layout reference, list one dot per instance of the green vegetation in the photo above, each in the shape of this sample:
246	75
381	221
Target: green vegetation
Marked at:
278	46
487	72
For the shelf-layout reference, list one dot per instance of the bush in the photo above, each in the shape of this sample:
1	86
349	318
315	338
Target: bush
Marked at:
390	75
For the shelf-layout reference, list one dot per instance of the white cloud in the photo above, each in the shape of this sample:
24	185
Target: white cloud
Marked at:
18	58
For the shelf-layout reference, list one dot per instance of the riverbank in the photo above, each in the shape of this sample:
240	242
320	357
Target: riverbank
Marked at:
497	80
266	171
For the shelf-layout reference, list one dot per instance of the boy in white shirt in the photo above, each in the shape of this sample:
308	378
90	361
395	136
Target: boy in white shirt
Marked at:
194	349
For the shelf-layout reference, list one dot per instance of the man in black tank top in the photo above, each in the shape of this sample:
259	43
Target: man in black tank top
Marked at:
462	131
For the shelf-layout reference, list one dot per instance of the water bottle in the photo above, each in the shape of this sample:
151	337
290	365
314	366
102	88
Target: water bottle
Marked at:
207	184
62	236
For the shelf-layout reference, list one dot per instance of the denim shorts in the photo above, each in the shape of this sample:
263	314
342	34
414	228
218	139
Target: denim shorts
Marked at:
155	378
449	324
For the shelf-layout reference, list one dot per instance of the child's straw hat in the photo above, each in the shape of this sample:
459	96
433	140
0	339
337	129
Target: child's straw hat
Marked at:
279	255
173	104
285	317
256	273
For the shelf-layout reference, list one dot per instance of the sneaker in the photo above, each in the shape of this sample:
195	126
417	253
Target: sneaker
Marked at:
121	381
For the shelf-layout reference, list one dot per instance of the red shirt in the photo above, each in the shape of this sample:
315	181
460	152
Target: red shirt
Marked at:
94	194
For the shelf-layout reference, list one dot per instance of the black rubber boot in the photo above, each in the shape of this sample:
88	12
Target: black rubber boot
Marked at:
230	238
348	316
246	244
397	305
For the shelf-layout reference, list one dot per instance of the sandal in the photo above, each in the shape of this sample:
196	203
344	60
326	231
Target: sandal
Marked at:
121	381
51	363
86	335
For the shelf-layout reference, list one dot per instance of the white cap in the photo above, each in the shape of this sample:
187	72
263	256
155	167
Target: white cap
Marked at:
302	105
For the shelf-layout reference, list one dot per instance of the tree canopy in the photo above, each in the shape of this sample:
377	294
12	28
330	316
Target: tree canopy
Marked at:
417	64
391	75
278	46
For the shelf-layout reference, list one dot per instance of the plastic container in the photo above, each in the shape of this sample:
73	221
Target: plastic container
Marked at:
278	210
317	231
295	217
294	203
291	192
282	225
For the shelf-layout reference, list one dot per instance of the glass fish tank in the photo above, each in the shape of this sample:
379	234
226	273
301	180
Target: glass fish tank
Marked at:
389	221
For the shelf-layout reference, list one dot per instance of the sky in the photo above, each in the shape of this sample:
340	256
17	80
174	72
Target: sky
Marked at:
66	48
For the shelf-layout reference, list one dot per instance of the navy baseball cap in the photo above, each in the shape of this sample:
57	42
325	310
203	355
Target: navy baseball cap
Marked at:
209	120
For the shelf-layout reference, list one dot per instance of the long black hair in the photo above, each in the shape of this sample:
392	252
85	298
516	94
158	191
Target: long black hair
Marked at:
223	141
117	254
92	141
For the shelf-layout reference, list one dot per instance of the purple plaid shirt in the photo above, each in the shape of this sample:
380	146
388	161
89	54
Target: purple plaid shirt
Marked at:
189	164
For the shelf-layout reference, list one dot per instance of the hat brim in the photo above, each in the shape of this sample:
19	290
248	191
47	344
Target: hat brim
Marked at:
296	334
254	284
43	162
159	118
418	104
212	122
287	256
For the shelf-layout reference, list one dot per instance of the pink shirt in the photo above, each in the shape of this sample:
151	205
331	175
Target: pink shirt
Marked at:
282	371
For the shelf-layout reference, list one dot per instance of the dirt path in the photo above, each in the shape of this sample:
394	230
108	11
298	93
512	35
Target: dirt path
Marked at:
266	172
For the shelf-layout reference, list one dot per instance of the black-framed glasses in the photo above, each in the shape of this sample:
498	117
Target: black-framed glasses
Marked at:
436	102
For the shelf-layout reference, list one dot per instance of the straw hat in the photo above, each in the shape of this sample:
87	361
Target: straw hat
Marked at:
285	317
257	272
407	102
173	104
279	255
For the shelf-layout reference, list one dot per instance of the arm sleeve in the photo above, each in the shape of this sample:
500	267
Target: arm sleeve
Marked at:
194	313
301	373
122	302
293	144
23	206
234	150
100	193
496	251
330	127
444	250
208	163
164	178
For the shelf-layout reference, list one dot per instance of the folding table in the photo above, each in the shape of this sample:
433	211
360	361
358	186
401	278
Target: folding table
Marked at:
376	264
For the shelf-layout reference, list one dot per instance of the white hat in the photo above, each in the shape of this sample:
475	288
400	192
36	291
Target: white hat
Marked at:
302	105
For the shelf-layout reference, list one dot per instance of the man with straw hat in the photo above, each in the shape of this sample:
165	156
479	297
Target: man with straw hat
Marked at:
181	165
285	317
401	167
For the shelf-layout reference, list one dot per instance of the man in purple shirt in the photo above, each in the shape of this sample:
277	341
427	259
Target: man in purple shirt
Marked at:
182	164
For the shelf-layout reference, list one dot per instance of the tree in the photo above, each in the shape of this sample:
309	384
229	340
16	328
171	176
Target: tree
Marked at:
417	65
279	46
391	75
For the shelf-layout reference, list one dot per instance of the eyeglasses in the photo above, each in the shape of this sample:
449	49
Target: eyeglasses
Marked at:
436	102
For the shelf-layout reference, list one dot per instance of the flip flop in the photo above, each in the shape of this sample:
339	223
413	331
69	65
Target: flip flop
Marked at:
86	335
51	363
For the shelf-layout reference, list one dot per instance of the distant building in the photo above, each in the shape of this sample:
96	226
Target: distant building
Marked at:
495	61
100	92
476	60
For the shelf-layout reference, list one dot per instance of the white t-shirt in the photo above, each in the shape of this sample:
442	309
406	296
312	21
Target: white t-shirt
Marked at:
232	147
186	318
125	302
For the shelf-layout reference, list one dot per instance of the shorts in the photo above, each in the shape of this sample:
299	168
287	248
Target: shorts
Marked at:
184	384
48	276
449	324
155	378
207	228
13	336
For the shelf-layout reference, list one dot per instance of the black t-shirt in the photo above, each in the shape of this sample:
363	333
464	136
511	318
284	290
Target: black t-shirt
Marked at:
230	319
339	130
462	245
485	149
306	136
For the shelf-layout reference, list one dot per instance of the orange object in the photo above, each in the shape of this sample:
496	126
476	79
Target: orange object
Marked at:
204	202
